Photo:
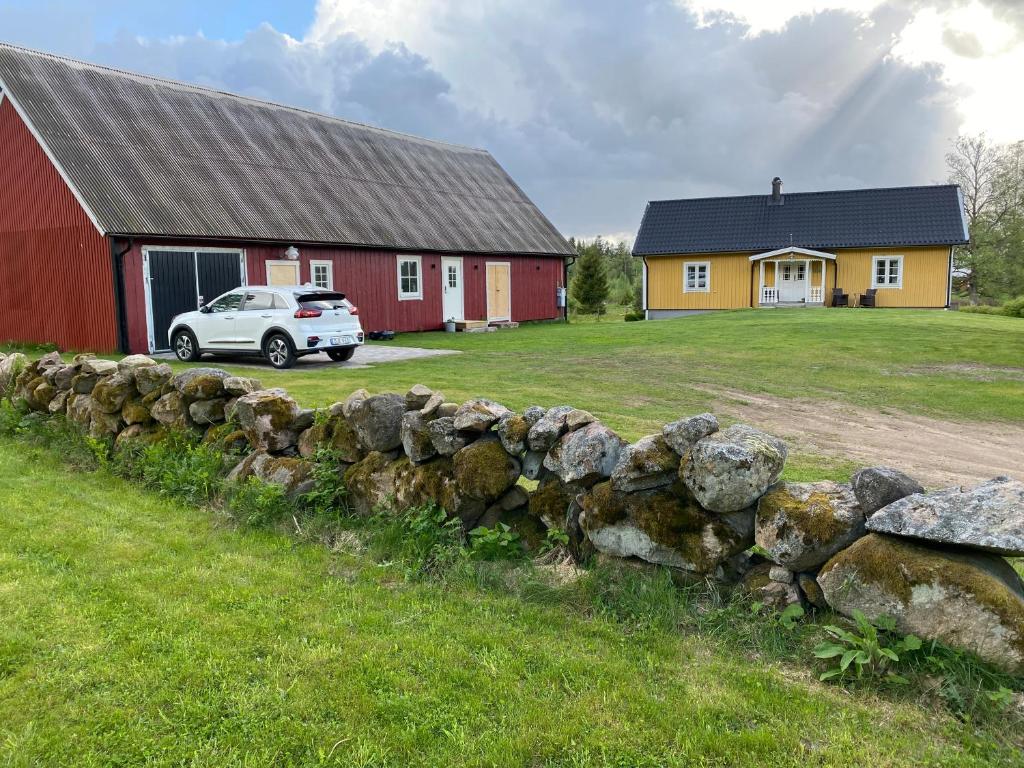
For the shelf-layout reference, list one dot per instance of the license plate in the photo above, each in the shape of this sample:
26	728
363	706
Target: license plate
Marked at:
335	341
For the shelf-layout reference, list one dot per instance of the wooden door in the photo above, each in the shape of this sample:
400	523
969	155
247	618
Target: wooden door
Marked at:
499	295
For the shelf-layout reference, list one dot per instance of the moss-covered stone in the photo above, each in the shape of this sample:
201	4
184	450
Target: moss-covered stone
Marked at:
111	392
134	411
969	600
484	470
268	417
84	383
200	383
512	430
550	503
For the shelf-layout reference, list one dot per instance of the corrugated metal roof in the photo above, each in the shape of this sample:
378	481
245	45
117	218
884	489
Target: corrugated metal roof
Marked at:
897	216
157	157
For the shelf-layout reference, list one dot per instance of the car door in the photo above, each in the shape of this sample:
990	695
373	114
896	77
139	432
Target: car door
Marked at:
216	328
258	313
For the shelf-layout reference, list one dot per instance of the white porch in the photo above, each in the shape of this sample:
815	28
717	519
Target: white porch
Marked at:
792	277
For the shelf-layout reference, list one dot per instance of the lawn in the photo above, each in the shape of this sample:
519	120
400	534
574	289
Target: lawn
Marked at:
637	376
137	631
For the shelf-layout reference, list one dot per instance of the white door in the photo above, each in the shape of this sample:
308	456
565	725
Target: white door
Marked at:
792	280
451	285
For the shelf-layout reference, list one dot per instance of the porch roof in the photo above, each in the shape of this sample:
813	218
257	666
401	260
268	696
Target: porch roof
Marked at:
793	249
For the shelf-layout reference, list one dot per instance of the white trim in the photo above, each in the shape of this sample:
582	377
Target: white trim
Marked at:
874	271
330	272
268	262
418	296
487	285
963	213
707	276
643	288
786	251
243	271
46	150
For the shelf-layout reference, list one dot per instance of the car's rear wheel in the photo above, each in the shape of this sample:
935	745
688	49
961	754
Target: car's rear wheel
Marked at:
278	350
341	355
186	348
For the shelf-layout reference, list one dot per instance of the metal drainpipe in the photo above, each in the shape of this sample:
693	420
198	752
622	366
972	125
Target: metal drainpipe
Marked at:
568	262
120	318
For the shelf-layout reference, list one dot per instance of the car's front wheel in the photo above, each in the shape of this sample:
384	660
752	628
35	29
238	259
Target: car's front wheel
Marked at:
186	348
278	350
341	355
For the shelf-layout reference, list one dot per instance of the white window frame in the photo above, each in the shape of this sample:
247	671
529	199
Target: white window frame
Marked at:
330	273
418	294
696	276
888	272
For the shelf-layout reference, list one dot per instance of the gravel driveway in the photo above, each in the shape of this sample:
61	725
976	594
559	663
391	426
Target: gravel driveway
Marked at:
366	356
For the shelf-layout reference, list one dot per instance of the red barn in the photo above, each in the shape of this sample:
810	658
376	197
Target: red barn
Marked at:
126	199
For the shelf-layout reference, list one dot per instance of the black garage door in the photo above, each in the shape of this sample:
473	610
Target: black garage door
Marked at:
180	281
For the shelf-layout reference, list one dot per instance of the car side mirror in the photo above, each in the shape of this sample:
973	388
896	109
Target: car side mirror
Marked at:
205	309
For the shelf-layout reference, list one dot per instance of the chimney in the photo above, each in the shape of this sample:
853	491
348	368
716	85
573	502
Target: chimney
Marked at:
776	190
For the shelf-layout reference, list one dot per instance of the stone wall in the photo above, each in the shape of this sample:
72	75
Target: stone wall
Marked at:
693	497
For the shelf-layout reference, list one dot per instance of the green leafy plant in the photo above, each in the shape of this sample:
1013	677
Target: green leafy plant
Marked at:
178	465
498	543
423	540
868	651
556	538
257	503
791	616
327	498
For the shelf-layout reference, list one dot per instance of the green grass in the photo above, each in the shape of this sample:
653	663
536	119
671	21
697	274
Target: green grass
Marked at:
137	631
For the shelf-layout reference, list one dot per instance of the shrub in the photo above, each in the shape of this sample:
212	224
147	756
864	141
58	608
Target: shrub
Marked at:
1014	307
632	317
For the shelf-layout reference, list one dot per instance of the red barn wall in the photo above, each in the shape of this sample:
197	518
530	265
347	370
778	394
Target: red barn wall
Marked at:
369	278
56	282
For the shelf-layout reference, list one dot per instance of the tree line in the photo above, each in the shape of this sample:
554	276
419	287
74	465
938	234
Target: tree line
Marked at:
991	177
604	273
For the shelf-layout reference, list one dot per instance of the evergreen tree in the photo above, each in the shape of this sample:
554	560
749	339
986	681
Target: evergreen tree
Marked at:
590	281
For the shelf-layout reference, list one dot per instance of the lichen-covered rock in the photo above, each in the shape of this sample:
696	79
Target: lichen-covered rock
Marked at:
780	574
290	473
533	414
432	406
662	527
98	367
138	434
111	392
811	591
200	383
578	418
236	386
417	397
875	487
266	416
84	383
484	470
546	431
801	525
103	424
969	600
416	440
682	435
478	415
79	409
207	412
59	403
377	421
353	401
151	378
533	465
64	376
40	394
10	367
586	455
133	363
228	438
447	410
988	517
512	430
171	410
647	463
729	470
774	595
446	439
304	419
550	503
134	411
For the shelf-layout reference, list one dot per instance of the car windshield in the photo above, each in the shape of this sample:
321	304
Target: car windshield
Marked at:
322	300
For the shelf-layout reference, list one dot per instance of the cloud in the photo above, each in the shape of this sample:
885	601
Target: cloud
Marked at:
596	106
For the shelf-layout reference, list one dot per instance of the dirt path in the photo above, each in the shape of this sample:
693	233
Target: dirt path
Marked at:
936	452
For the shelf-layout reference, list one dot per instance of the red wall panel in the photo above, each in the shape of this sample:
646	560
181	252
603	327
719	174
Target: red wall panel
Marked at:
369	278
56	282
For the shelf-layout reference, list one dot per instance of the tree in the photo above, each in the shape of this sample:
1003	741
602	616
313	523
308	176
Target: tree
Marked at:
590	281
991	177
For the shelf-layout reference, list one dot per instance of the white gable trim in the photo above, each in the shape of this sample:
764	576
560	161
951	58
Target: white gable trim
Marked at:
46	150
793	249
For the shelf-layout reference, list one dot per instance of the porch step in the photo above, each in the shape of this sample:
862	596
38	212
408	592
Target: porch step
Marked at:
505	324
470	325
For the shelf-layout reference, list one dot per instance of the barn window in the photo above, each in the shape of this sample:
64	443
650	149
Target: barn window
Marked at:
409	280
697	277
887	272
322	273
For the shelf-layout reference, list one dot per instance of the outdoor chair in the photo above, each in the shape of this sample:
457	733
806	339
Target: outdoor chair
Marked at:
868	299
840	299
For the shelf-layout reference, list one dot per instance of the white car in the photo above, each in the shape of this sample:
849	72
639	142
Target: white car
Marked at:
280	323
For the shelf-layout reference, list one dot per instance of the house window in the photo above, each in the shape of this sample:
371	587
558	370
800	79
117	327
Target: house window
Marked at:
696	277
409	280
887	272
322	274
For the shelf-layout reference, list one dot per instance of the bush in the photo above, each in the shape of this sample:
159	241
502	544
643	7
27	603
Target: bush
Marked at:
179	466
632	317
1014	307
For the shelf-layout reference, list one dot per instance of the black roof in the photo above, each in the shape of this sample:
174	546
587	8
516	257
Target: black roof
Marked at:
855	218
148	156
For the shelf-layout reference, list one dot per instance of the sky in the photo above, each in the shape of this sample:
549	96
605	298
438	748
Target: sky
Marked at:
597	106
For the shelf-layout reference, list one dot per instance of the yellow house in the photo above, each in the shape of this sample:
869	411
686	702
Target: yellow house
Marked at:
888	247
